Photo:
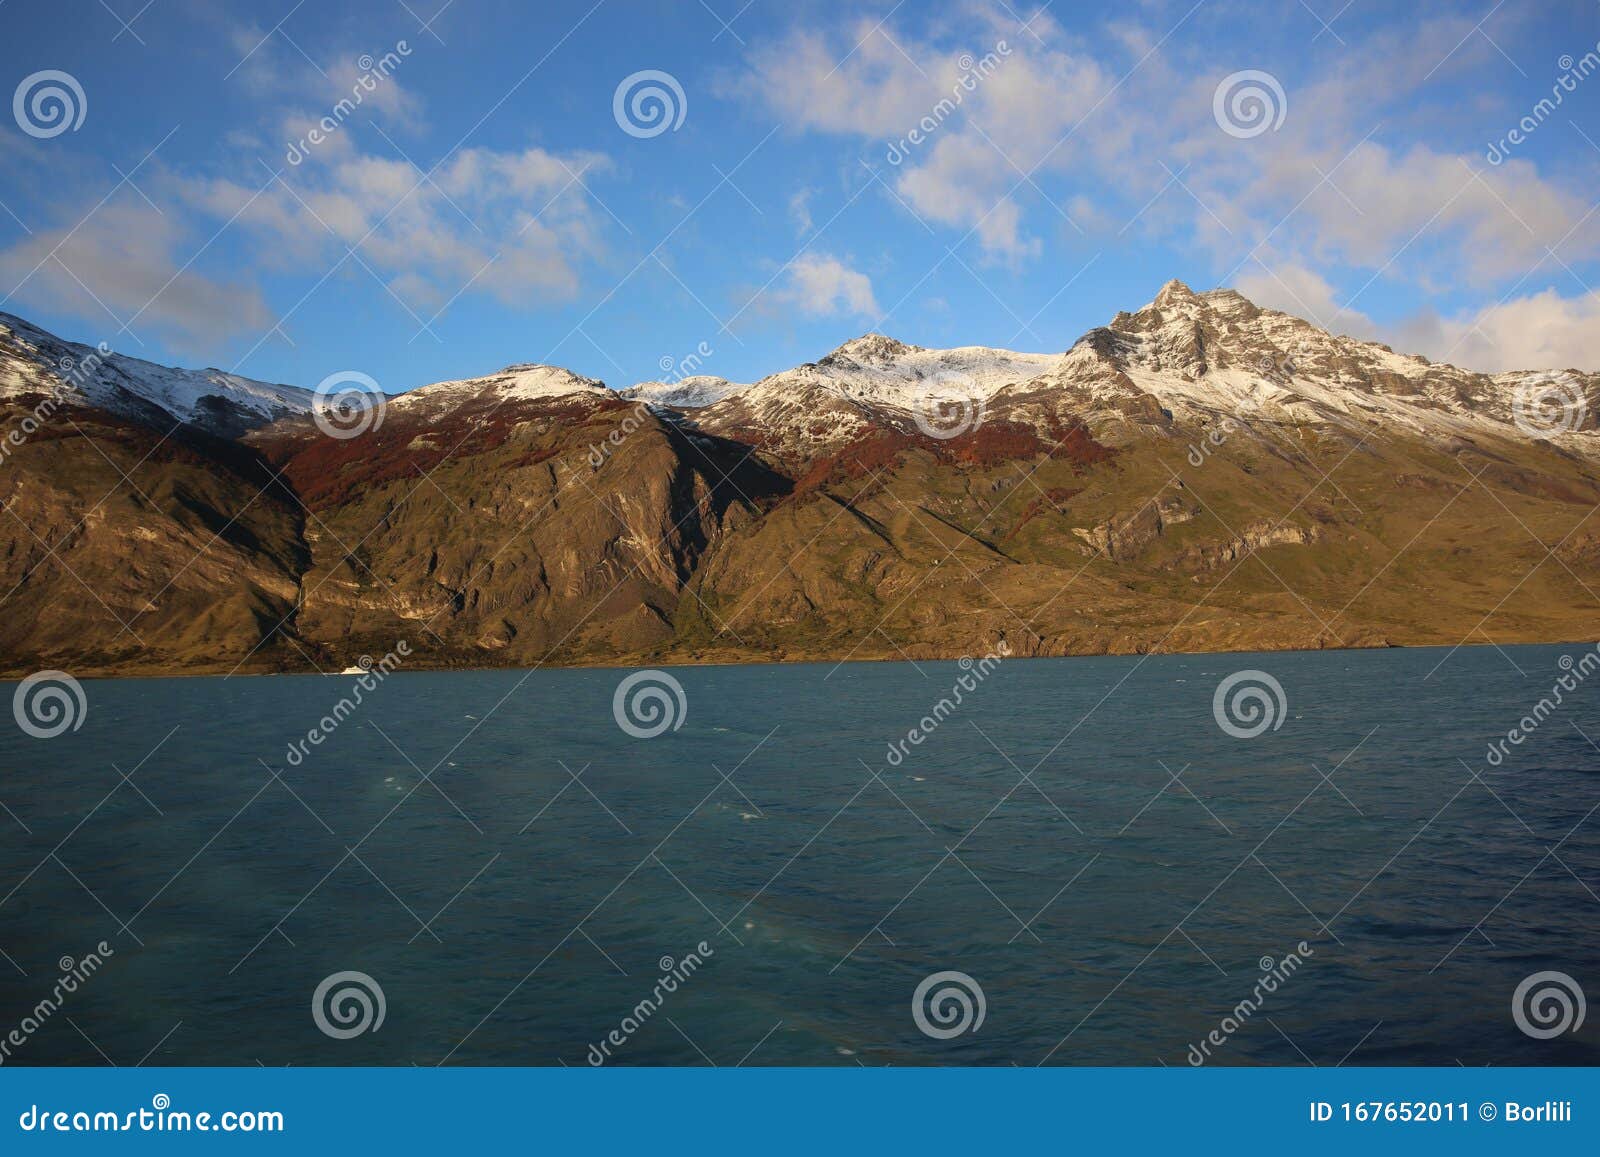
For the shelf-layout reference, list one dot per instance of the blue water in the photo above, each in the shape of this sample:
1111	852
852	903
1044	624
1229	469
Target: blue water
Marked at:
1108	915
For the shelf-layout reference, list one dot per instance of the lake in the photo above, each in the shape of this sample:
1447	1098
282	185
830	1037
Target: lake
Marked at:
1111	876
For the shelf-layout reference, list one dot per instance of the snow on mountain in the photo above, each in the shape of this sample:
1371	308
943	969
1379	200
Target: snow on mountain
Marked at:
34	361
691	393
883	370
1201	356
838	396
525	382
870	380
1186	358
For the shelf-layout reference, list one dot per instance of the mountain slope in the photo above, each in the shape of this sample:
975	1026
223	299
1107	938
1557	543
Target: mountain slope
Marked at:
508	524
127	548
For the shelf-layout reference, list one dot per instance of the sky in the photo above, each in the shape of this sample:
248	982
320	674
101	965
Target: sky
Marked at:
420	190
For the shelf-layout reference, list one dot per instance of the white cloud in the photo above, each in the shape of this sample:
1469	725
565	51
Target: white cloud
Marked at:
127	263
1304	293
1346	181
515	225
1537	331
819	285
250	62
964	183
815	81
1540	331
1407	213
800	210
518	225
963	124
375	85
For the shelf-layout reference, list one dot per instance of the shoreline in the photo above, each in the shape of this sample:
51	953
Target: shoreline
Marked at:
671	662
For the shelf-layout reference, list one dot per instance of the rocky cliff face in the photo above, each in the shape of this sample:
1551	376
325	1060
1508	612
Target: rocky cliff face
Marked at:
1199	474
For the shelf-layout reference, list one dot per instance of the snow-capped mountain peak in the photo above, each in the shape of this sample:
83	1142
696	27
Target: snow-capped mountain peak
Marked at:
868	349
527	381
1174	294
33	361
1211	354
869	381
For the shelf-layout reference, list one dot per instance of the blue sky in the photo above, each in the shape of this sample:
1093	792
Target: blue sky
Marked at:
483	205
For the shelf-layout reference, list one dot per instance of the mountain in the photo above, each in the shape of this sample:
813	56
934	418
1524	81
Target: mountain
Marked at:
33	361
1198	474
689	393
1197	355
519	383
867	383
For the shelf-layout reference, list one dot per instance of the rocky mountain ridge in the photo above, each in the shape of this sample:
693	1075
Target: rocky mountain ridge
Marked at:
37	362
1199	474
